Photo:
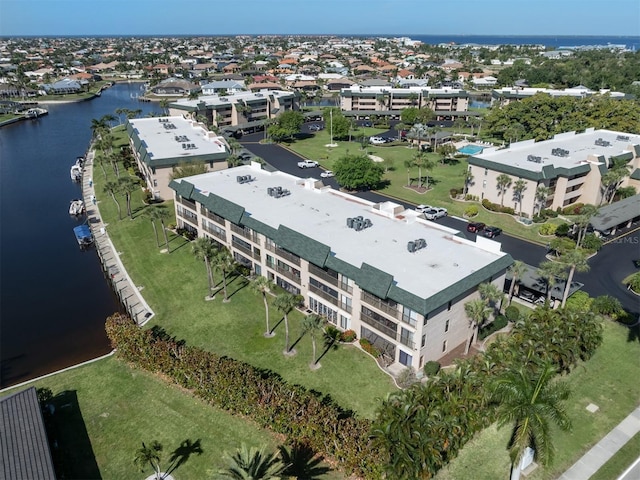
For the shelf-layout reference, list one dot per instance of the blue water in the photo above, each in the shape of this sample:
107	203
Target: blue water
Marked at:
470	149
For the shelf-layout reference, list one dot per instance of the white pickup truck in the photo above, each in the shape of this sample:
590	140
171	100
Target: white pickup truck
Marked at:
307	164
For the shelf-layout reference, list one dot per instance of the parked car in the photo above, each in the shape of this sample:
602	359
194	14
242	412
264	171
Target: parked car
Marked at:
307	164
531	297
475	227
431	214
327	174
367	124
315	128
441	212
491	232
423	208
376	140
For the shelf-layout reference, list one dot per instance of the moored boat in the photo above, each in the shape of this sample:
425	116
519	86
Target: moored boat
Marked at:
76	207
83	235
76	169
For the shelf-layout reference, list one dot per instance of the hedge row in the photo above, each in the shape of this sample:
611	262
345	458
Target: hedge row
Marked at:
305	417
496	207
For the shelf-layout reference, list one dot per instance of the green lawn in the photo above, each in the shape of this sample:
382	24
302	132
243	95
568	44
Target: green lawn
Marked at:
620	461
442	178
175	285
609	380
106	409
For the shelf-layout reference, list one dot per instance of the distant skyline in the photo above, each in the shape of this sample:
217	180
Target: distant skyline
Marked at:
342	17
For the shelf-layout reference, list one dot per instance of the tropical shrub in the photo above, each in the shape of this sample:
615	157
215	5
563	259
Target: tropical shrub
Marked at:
469	197
348	336
500	322
607	305
562	230
547	229
471	211
591	242
406	377
453	192
579	301
548	213
574	209
431	368
633	282
496	207
512	313
368	347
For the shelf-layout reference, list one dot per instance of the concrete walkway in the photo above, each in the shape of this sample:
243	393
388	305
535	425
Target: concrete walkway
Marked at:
595	458
123	286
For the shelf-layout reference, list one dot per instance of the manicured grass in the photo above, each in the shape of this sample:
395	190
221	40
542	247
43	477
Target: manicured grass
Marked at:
175	286
442	178
622	459
608	380
106	409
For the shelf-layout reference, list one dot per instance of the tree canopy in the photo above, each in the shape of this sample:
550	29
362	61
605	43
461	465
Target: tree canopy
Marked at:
335	121
357	172
286	125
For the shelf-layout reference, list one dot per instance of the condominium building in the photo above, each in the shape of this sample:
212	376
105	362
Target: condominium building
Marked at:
160	144
395	278
443	101
570	166
506	95
240	110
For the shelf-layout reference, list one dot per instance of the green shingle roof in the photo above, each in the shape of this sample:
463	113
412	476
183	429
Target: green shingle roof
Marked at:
547	172
374	280
301	245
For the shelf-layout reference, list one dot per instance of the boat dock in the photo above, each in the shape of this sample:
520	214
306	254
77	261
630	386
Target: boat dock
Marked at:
127	292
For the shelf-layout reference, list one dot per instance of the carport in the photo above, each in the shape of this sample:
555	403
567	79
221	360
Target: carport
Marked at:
533	288
618	215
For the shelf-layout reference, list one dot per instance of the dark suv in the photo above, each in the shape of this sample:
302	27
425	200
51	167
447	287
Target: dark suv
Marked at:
491	232
475	227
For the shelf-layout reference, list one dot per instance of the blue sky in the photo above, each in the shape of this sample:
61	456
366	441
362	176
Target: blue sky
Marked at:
228	17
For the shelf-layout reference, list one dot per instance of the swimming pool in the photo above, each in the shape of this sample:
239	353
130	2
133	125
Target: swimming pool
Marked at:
471	149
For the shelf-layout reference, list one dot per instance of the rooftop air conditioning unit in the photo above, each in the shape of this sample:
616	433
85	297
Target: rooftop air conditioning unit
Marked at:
411	247
350	222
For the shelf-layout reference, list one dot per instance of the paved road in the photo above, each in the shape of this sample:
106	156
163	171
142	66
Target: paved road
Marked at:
608	267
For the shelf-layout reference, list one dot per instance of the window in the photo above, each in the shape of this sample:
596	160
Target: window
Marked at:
344	322
446	326
444	346
484	184
409	316
449	306
424	340
405	358
486	171
421	362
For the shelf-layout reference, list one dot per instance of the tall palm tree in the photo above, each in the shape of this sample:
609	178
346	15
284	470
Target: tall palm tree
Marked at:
541	195
477	311
468	180
263	286
550	272
313	324
162	215
491	295
417	131
530	401
253	464
518	192
149	454
127	185
225	264
152	214
112	188
285	303
575	260
517	269
586	214
205	250
421	161
503	182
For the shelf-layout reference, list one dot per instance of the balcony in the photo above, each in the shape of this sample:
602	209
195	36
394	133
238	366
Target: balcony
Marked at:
381	327
407	342
323	294
320	273
345	307
288	273
212	216
284	254
188	203
187	215
245	232
222	235
242	248
380	305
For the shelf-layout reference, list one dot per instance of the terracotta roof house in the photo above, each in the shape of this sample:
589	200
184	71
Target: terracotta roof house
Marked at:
174	87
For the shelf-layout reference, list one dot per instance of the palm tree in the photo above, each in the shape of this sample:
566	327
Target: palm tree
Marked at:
491	295
417	131
285	303
586	214
575	260
468	180
549	272
253	464
517	269
263	286
152	214
128	185
149	455
112	188
204	249
225	264
162	215
477	311
164	103
541	195
313	324
503	182
421	161
303	463
530	401
518	192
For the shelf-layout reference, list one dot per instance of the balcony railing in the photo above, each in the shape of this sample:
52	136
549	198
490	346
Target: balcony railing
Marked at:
288	273
323	294
346	287
380	305
284	254
381	327
245	232
221	235
242	248
320	273
188	203
212	216
407	341
187	215
345	307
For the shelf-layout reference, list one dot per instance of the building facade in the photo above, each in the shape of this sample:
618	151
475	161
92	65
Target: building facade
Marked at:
395	278
160	144
245	110
375	100
570	166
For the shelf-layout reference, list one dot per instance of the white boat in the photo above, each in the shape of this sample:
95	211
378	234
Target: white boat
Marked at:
76	207
35	112
76	173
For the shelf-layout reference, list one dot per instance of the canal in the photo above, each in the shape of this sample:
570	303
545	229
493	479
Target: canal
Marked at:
54	298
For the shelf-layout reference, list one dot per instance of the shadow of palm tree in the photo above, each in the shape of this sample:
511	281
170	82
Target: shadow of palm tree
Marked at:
303	462
293	345
181	454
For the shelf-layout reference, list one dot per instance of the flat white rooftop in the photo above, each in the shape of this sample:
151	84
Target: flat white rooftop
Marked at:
405	90
321	213
231	99
571	150
174	137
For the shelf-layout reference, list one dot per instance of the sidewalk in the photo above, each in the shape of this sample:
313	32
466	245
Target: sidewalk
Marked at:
121	283
604	449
